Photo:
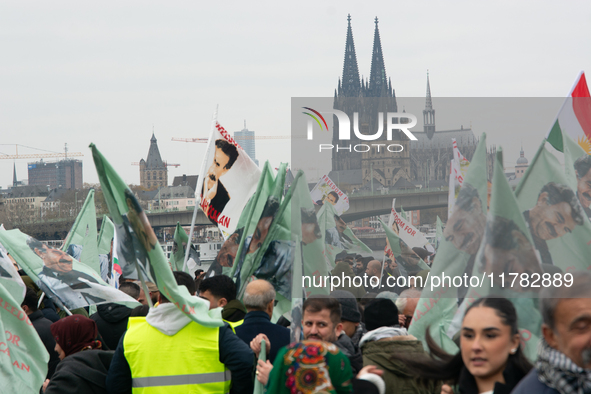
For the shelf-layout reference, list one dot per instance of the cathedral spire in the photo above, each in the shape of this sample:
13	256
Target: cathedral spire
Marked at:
428	102
350	81
14	181
377	77
429	113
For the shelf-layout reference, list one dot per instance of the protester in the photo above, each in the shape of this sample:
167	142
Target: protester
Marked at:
406	304
111	318
150	345
563	364
259	299
220	291
344	272
42	326
384	338
490	359
83	366
350	321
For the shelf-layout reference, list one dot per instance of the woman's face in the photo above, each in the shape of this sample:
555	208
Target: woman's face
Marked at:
59	351
486	343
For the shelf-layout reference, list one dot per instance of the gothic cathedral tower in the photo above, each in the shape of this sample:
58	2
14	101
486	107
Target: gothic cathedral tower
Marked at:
153	171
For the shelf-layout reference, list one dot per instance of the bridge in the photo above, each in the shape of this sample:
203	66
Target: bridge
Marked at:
361	205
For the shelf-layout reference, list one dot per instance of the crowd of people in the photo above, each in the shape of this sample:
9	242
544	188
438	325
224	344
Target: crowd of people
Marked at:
354	340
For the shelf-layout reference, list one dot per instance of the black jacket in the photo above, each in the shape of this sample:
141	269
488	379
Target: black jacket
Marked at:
111	320
82	372
467	383
41	325
259	322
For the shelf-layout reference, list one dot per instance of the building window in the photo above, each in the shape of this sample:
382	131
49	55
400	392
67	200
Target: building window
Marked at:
148	176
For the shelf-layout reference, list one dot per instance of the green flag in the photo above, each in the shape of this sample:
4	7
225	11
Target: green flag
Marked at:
81	242
403	254
106	235
9	276
438	233
180	240
455	256
138	249
558	224
403	213
23	357
507	253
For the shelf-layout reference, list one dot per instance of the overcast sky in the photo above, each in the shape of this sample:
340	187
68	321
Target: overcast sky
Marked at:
109	73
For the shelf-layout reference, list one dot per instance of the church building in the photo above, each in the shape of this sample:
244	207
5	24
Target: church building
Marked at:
153	171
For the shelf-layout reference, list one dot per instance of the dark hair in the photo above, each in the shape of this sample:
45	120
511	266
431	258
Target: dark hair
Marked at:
31	299
141	310
35	244
558	193
229	150
135	203
335	195
220	286
271	207
308	215
499	233
440	365
582	165
182	279
319	302
131	289
465	200
551	296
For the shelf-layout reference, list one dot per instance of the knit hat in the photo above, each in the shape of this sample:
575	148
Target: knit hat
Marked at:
349	310
381	312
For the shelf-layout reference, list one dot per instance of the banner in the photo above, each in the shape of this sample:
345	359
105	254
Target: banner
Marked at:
179	247
58	275
327	191
456	254
458	170
406	231
23	357
401	252
227	180
138	248
81	242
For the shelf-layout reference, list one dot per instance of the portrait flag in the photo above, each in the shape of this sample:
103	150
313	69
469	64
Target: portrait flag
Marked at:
228	178
458	170
574	117
110	269
337	236
400	251
81	242
138	249
406	231
58	275
23	357
547	197
455	256
180	241
506	252
9	276
326	191
106	234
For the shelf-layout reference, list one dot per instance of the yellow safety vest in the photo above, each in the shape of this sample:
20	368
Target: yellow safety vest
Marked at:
234	324
187	362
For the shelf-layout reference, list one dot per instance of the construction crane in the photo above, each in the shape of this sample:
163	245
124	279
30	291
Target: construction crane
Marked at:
259	137
50	154
135	163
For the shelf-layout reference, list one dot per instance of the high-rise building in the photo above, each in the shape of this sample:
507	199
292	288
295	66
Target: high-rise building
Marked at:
63	174
153	171
246	138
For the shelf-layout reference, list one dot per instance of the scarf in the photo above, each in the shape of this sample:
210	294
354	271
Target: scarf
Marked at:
75	333
559	372
381	333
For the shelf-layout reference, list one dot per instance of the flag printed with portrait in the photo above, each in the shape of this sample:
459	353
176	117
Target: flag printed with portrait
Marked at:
455	256
179	246
59	275
228	178
110	269
574	118
81	242
406	231
547	197
9	276
507	253
458	170
326	191
400	251
23	357
337	236
139	251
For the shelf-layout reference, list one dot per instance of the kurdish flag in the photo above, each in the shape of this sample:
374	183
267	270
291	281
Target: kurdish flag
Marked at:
574	117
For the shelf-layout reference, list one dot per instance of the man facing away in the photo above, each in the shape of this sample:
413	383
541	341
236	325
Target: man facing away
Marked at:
259	299
167	352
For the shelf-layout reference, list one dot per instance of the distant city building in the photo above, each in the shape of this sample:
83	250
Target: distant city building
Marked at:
153	171
25	201
521	165
64	174
245	138
186	180
176	198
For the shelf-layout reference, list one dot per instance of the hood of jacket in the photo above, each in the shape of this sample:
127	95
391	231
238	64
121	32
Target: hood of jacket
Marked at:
113	313
167	318
379	353
234	311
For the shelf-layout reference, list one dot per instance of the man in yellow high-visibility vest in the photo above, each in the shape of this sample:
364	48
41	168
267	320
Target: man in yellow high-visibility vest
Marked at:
167	352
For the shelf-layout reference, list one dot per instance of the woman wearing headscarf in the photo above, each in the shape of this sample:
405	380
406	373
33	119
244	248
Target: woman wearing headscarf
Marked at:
83	367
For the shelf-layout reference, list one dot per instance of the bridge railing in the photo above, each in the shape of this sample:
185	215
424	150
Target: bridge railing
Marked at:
367	193
148	211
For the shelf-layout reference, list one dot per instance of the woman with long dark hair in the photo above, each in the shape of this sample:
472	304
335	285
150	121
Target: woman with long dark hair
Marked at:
490	359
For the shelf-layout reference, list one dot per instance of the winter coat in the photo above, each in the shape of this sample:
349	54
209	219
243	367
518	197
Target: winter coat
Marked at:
352	352
111	321
531	384
258	322
41	325
82	372
398	381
